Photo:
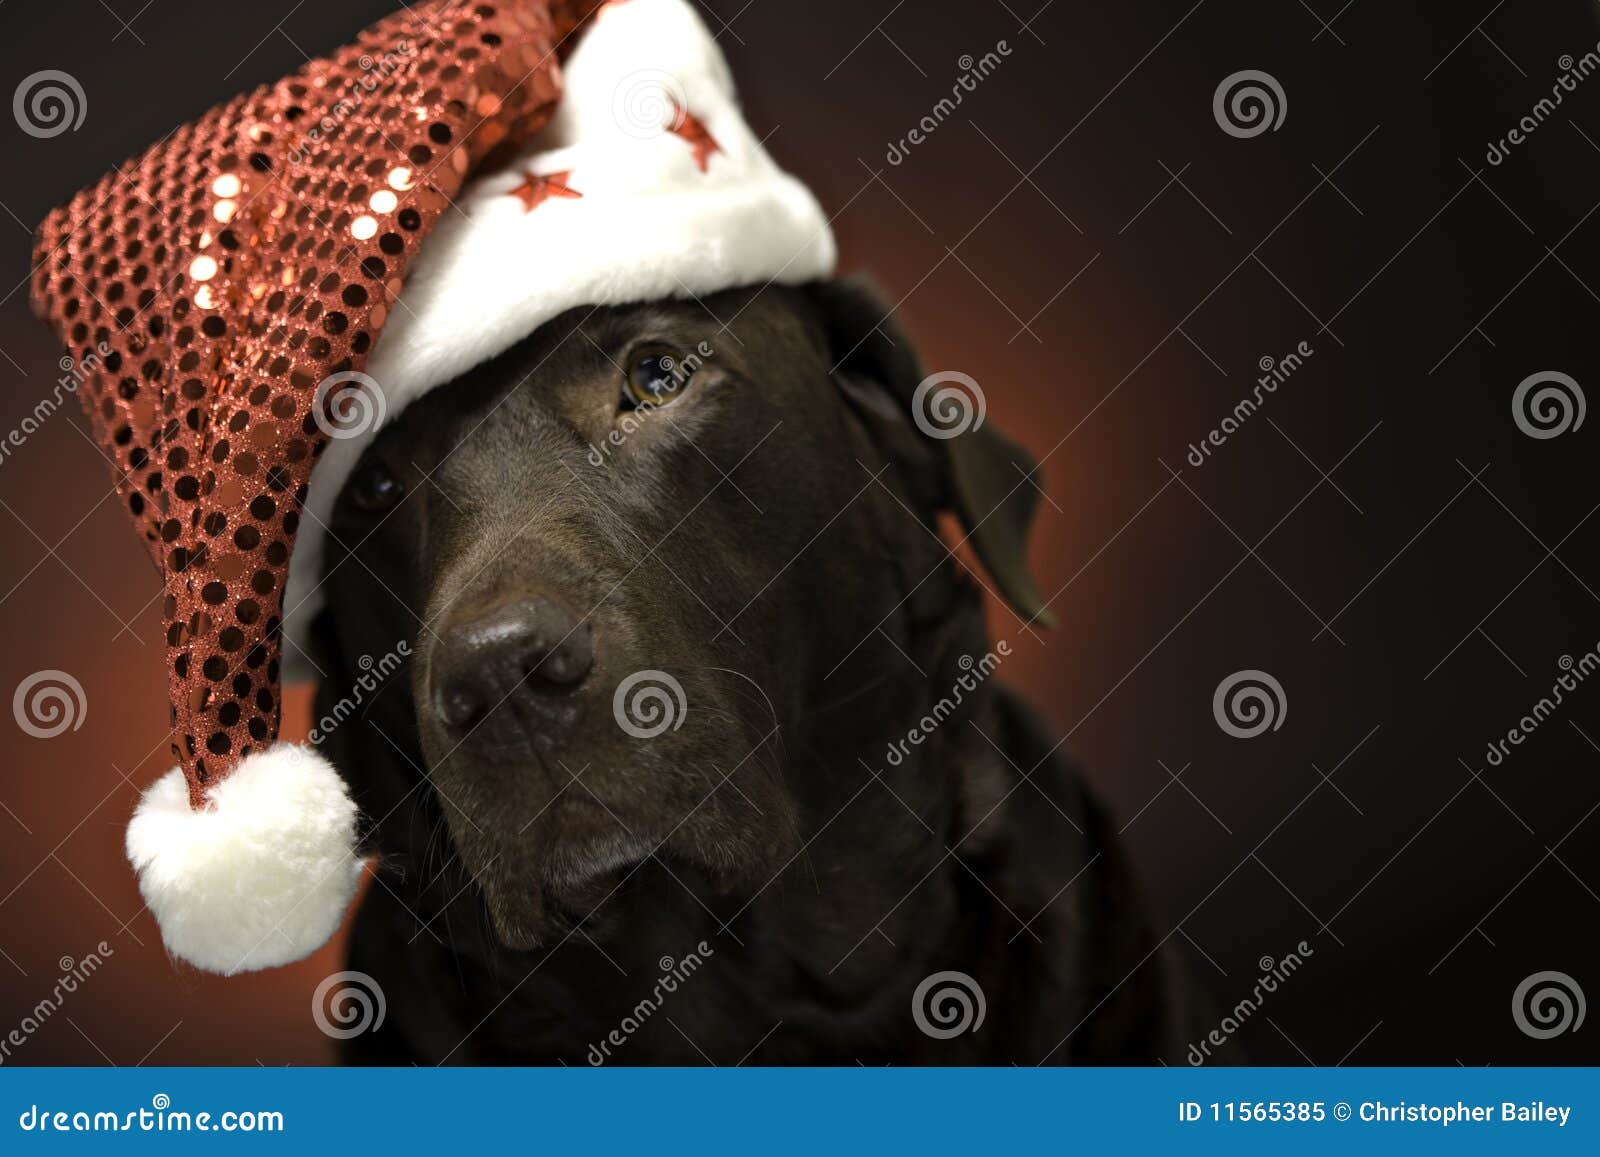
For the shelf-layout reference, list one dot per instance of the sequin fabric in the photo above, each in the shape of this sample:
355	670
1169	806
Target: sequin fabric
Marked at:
207	288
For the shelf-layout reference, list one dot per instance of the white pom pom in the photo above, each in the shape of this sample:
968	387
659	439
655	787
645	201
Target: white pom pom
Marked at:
263	875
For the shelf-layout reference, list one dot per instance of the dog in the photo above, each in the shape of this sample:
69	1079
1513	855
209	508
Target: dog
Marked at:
696	755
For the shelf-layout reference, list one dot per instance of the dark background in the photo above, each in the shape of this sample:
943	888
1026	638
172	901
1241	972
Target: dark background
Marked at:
1414	603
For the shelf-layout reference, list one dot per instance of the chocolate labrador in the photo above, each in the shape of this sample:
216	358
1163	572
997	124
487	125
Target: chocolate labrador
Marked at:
696	756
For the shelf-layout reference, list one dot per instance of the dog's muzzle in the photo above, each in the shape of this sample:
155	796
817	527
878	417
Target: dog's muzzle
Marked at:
507	676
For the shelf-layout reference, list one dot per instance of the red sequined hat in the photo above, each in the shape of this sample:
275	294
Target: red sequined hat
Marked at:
226	286
212	282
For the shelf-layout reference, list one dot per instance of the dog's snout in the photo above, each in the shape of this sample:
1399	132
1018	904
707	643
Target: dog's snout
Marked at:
525	650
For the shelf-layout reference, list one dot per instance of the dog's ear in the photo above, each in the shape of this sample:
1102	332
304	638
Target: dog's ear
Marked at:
985	478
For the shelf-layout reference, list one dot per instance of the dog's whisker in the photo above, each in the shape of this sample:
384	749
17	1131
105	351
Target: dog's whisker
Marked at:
568	627
851	696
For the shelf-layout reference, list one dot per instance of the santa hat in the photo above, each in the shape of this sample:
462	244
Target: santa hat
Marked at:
225	293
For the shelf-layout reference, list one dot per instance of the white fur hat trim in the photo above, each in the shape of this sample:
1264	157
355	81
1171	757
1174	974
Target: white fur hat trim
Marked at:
262	875
649	223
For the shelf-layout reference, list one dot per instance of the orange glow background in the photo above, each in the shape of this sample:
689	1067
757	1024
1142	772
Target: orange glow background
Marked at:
978	234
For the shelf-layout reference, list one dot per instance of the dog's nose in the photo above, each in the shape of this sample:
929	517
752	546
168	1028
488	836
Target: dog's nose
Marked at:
528	649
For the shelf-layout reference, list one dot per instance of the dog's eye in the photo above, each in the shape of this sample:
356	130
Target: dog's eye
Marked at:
656	376
375	489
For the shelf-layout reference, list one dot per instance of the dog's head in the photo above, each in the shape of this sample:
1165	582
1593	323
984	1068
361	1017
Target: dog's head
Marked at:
653	563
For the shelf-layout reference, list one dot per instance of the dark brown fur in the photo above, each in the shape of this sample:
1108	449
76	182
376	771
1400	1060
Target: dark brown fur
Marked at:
770	540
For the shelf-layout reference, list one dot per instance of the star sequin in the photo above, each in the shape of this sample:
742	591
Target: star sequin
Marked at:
537	188
688	126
